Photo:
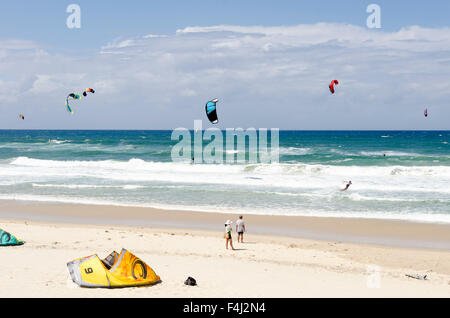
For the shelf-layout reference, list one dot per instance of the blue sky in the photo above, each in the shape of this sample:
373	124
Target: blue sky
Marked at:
103	20
155	64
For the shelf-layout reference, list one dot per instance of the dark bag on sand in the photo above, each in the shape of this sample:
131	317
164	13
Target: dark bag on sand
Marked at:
190	282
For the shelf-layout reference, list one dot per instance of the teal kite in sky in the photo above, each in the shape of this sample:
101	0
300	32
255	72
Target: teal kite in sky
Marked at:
211	111
71	96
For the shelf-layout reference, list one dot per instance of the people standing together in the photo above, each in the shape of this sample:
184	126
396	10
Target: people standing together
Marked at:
240	229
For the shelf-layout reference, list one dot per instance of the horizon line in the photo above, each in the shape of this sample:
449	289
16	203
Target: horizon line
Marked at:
109	129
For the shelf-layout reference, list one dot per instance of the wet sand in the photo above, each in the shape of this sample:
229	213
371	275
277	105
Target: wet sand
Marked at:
355	230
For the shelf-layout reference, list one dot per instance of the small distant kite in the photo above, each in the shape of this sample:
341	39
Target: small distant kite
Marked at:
71	96
425	112
22	117
211	111
331	86
88	90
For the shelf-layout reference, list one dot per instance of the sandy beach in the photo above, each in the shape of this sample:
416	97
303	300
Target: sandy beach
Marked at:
270	265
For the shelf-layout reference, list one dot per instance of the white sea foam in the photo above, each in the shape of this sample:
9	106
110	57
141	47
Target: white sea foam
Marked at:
87	186
293	189
390	153
55	141
137	169
295	151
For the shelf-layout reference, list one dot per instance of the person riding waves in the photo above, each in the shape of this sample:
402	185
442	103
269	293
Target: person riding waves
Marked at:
347	186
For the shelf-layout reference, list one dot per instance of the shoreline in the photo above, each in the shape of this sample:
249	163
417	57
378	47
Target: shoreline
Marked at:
395	233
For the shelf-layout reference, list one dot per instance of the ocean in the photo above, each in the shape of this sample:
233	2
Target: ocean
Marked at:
395	174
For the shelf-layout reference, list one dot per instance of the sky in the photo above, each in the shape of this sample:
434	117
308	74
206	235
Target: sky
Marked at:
154	64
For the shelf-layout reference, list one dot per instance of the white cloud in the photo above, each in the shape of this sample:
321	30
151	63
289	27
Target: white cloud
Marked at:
152	36
411	38
17	44
266	76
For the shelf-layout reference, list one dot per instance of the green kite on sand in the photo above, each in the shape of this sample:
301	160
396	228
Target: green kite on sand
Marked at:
7	239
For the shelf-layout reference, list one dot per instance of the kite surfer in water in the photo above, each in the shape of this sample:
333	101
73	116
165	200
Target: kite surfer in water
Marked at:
347	186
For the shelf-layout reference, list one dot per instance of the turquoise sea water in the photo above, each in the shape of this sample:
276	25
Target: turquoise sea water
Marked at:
134	168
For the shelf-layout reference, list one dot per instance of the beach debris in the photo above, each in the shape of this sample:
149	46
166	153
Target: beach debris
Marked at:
416	276
116	270
211	111
7	239
331	86
190	281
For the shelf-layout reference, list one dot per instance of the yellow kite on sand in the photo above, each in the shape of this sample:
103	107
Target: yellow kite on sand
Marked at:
116	270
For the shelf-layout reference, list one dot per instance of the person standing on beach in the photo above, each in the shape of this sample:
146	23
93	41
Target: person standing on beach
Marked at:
240	229
228	238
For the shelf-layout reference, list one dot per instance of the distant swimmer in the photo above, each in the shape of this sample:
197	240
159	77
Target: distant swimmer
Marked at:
347	186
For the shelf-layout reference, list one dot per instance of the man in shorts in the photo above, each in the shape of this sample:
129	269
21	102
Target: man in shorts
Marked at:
240	229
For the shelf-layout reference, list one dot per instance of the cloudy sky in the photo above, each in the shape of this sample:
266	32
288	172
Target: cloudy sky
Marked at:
155	64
